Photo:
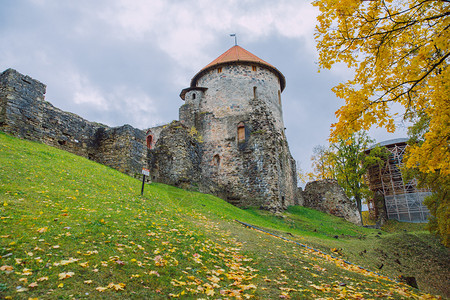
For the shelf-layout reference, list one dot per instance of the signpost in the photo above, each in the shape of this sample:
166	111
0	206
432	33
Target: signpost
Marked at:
145	172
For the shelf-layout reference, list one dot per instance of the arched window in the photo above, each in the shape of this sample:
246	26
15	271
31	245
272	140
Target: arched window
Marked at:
241	132
193	96
149	141
216	160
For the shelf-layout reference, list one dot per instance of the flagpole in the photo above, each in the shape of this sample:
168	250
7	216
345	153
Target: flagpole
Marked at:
235	38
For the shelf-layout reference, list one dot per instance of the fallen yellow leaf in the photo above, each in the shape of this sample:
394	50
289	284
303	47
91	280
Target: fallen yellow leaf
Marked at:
101	289
6	268
42	278
65	275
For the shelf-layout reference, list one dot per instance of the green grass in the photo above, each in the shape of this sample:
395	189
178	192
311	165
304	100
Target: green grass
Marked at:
71	228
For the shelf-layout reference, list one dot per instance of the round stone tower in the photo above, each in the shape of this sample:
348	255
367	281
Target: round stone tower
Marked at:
235	104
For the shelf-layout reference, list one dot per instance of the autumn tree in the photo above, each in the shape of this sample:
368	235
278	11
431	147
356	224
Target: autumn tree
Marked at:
347	160
322	163
302	175
399	51
439	201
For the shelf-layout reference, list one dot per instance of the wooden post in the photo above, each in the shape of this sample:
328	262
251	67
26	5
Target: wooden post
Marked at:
143	182
145	172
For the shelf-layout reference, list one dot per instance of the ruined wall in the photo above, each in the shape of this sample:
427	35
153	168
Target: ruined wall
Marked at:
122	148
24	113
328	196
21	105
176	157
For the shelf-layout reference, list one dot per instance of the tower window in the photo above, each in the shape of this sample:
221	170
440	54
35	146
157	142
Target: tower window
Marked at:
216	160
241	132
149	141
253	68
219	70
279	97
254	92
193	96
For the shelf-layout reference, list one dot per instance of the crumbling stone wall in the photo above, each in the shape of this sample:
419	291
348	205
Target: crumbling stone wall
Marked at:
24	113
21	102
176	157
122	148
328	196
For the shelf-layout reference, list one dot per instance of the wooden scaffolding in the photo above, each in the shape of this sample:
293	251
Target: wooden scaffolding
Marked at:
402	201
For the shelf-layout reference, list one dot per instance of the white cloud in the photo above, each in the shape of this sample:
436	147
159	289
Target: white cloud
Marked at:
184	29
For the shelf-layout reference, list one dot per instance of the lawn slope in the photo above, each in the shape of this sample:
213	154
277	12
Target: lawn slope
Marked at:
71	228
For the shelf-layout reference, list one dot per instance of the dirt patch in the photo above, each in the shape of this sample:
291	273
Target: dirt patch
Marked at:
418	255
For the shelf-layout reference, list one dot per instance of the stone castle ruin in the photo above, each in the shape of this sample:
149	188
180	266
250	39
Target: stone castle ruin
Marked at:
229	140
234	104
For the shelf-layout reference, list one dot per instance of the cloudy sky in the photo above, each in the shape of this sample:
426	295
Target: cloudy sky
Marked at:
125	62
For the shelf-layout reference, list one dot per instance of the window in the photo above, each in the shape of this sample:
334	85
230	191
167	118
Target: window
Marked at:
149	141
193	96
253	68
216	160
254	92
241	132
219	70
279	97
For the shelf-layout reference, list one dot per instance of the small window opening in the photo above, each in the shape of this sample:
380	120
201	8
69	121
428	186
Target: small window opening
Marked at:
254	92
193	96
216	160
253	68
219	70
241	132
62	143
279	97
149	141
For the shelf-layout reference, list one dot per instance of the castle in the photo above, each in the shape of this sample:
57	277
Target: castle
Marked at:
229	140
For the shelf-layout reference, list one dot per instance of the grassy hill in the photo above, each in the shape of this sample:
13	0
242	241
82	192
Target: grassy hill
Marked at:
73	229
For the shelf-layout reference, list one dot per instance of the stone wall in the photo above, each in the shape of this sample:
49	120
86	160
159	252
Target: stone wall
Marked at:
176	157
122	148
328	197
230	91
24	113
22	101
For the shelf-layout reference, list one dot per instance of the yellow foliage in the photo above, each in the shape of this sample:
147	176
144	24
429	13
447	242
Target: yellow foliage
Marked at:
400	53
195	134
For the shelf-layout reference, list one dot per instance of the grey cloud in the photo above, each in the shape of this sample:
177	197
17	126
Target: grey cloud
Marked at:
130	63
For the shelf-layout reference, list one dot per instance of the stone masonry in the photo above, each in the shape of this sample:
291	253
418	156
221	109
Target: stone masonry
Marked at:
329	197
24	113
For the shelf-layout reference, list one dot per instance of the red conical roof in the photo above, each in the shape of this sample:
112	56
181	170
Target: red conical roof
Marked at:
237	54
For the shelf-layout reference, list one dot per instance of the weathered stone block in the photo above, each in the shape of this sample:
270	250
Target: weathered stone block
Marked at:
328	197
